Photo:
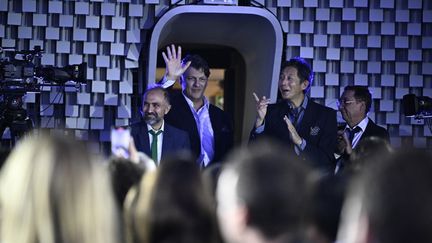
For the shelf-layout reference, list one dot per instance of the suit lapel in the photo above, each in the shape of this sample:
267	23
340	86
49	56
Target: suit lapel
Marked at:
168	140
189	120
307	118
279	124
187	110
145	140
213	119
368	132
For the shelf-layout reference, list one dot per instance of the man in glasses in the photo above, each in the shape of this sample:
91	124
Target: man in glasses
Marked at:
306	127
210	128
354	104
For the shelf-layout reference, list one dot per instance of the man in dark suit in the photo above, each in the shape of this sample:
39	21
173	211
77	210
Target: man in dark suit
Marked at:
152	135
303	125
210	129
354	104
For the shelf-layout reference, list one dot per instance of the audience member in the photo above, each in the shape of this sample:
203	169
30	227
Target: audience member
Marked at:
354	104
177	208
210	176
210	128
125	174
164	139
391	202
136	209
326	206
330	193
369	150
263	195
53	190
305	126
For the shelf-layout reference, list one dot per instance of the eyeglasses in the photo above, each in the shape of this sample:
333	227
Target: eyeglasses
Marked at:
343	102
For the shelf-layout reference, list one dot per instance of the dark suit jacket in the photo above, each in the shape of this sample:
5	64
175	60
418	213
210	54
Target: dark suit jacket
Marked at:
318	128
182	117
373	130
174	140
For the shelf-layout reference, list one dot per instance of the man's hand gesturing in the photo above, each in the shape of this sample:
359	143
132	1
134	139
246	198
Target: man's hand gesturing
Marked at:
261	106
295	137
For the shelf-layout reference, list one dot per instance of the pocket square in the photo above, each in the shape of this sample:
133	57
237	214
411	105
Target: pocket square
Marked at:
314	131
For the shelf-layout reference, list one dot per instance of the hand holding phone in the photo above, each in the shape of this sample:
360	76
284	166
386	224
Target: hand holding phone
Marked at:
120	140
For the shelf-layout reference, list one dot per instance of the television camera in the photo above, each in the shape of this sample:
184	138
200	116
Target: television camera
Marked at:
20	75
419	107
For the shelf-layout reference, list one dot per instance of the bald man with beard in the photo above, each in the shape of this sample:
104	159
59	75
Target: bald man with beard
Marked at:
152	135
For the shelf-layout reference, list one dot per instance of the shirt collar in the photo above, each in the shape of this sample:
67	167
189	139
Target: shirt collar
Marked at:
303	104
362	124
161	129
190	102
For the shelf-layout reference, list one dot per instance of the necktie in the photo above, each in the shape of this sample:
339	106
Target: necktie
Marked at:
352	133
154	146
294	114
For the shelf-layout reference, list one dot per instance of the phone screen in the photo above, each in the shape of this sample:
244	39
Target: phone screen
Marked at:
120	139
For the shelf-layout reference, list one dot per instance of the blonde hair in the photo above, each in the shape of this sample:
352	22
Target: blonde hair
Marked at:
53	190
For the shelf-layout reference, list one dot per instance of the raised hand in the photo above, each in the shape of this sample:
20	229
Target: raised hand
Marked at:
174	66
261	106
295	137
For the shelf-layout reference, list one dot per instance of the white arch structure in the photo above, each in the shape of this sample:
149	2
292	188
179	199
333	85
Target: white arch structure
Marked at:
254	32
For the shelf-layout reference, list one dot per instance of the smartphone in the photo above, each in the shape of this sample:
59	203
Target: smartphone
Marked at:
120	139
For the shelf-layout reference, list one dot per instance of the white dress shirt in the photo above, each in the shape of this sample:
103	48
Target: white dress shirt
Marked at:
363	124
205	130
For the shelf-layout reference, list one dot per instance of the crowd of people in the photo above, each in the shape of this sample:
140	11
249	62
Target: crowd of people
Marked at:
301	178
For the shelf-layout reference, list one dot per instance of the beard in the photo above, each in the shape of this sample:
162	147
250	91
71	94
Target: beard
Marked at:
151	118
